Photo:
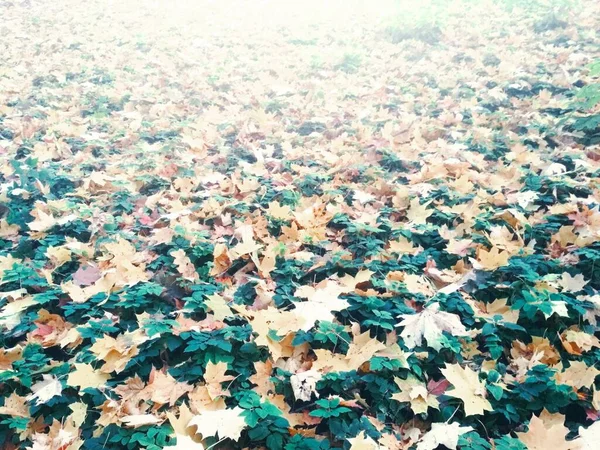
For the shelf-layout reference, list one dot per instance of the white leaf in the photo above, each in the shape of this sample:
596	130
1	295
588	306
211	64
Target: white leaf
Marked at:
446	434
227	423
429	324
45	390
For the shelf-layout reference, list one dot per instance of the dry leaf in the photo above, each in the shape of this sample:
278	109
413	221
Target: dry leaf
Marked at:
445	434
226	423
468	388
44	390
429	325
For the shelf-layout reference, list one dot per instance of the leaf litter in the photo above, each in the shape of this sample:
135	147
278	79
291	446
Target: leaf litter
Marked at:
250	225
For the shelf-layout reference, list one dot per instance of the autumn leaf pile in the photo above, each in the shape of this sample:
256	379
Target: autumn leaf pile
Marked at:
246	225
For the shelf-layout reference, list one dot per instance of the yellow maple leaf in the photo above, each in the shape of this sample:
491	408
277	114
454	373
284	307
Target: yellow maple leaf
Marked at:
363	442
277	211
468	388
418	213
85	376
362	349
403	246
569	283
261	378
219	307
117	352
492	259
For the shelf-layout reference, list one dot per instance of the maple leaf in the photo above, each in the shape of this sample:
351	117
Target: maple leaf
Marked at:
468	388
164	389
16	406
403	246
322	301
10	315
363	197
186	443
492	259
578	375
570	283
277	211
362	349
490	311
429	324
363	442
418	213
44	390
184	265
589	437
57	438
261	378
214	375
415	392
545	432
85	376
226	423
59	255
219	307
115	352
445	434
221	261
576	342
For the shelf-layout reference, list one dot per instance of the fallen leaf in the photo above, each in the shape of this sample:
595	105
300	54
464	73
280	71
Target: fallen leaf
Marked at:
429	325
468	388
445	434
226	423
46	389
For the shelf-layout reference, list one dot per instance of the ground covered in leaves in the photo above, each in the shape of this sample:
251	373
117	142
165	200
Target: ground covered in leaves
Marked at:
246	225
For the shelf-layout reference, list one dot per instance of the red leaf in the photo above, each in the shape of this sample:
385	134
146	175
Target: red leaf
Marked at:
437	387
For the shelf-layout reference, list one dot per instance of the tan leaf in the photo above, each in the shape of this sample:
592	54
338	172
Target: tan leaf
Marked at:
15	406
164	389
262	377
590	436
139	420
184	265
304	384
577	342
544	435
214	376
578	375
277	211
415	392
